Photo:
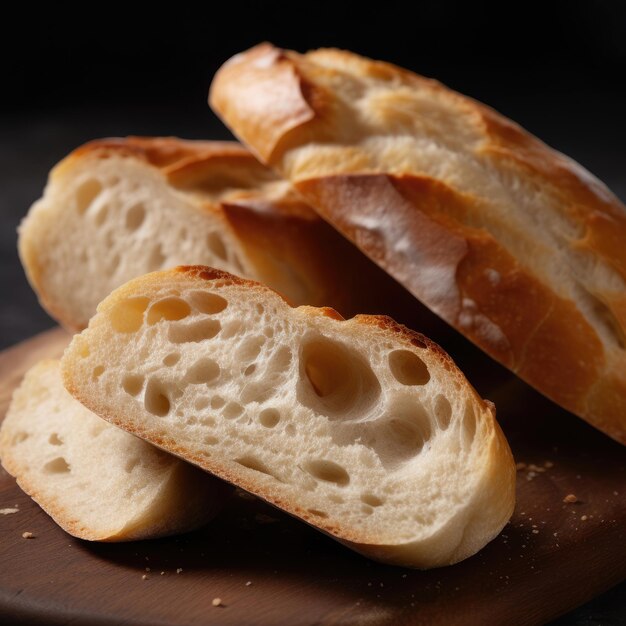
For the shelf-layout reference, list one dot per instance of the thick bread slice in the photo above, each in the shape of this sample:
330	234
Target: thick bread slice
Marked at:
97	481
361	427
517	246
118	208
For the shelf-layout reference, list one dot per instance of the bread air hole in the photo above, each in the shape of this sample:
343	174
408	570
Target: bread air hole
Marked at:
232	410
130	465
127	316
102	214
469	425
269	418
203	371
215	243
443	411
56	466
135	217
97	372
335	380
171	359
255	464
157	258
156	400
194	331
401	436
371	499
170	309
407	368
132	384
87	193
206	302
328	471
55	440
19	437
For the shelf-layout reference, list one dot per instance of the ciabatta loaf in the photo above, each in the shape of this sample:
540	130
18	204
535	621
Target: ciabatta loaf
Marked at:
360	427
115	209
517	246
95	480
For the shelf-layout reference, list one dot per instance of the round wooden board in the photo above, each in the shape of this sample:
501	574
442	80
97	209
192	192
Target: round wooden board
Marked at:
268	568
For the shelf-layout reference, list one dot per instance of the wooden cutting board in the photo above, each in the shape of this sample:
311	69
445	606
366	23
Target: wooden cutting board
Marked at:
269	569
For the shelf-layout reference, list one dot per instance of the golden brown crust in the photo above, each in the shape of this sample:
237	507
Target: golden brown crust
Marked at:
436	237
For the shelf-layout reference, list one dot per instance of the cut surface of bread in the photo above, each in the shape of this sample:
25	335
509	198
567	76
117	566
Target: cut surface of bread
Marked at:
95	480
360	427
515	245
118	208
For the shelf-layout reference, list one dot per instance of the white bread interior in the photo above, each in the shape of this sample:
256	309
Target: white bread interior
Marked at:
95	480
362	428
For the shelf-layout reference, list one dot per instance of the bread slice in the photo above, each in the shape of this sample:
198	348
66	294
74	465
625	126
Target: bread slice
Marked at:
118	208
97	481
517	246
361	427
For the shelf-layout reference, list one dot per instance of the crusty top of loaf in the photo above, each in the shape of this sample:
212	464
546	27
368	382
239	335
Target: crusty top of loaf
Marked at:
514	244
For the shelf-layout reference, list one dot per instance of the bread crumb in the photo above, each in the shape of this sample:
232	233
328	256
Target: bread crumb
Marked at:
248	583
584	518
147	569
535	532
217	602
548	464
570	498
179	570
162	573
144	577
520	466
27	535
8	511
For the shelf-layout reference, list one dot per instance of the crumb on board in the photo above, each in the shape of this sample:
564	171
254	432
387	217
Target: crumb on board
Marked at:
162	573
144	577
28	535
520	466
217	602
9	511
179	570
584	518
248	583
570	498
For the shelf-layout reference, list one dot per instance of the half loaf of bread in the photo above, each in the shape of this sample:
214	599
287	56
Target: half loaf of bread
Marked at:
118	208
95	480
517	246
361	427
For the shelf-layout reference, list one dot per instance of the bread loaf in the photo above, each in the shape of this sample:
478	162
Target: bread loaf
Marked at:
118	208
95	480
362	428
514	244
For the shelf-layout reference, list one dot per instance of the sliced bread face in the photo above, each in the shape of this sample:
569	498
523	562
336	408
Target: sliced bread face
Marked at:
360	427
95	480
115	209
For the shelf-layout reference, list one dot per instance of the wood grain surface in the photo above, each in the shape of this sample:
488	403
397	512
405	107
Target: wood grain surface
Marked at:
269	569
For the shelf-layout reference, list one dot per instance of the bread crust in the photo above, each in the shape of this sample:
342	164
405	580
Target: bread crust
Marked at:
185	500
288	245
433	235
485	515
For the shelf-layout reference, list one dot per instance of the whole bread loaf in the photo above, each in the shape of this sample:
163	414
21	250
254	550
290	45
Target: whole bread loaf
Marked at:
117	208
514	244
362	428
95	480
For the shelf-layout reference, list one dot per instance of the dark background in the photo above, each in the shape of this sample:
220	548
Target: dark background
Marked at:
558	68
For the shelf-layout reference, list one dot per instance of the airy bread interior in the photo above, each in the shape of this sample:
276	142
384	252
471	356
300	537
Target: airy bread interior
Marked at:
362	428
109	220
97	481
